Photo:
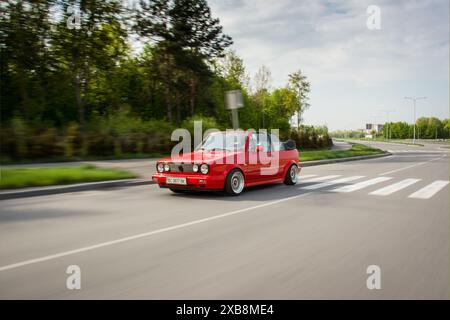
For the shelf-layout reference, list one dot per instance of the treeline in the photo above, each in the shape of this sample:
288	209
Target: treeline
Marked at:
426	128
73	83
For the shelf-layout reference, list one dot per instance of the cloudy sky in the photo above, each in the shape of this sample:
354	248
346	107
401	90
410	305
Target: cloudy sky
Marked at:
354	72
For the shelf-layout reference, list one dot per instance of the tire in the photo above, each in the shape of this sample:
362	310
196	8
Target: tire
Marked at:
235	183
178	190
291	175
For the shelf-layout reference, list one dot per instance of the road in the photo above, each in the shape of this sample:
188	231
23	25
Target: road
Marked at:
312	240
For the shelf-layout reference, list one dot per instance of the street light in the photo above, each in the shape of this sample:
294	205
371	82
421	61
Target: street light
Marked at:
388	134
414	99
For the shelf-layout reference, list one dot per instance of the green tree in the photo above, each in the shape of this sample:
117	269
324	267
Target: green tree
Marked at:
283	103
24	32
186	38
94	46
301	86
263	79
446	128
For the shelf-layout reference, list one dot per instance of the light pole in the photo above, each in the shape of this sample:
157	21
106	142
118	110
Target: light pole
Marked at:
388	133
414	99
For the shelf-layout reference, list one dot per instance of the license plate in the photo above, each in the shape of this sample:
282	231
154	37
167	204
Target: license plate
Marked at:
176	180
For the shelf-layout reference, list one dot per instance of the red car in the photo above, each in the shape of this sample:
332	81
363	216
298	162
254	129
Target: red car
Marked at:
230	161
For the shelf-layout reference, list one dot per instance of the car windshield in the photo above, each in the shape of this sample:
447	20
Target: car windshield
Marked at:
223	141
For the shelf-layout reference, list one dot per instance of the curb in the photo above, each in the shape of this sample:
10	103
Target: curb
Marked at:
330	161
43	191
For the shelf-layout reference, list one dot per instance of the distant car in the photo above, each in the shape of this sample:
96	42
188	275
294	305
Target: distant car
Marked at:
230	161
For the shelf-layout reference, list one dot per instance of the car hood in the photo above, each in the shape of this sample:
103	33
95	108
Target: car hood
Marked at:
201	156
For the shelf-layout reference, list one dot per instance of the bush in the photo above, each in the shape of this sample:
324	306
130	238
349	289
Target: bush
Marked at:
118	134
309	137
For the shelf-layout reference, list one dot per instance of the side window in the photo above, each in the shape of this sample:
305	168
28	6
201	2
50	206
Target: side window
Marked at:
263	140
252	143
276	145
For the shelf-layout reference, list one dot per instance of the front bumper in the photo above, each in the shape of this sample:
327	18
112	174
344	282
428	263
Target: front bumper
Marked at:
194	181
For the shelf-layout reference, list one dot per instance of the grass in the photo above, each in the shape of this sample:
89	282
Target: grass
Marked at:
387	141
356	150
124	156
33	177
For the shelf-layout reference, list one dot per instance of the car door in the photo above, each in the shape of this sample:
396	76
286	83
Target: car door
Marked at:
252	165
267	160
279	157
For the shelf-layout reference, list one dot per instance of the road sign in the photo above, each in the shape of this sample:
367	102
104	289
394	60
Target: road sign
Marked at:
233	99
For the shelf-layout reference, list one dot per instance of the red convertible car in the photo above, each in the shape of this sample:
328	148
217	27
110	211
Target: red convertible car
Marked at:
230	161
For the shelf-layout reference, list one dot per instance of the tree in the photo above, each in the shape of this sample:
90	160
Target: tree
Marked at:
429	128
24	32
186	36
233	70
263	79
446	128
299	83
282	105
94	46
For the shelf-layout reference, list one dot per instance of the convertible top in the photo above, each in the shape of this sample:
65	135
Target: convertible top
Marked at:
289	145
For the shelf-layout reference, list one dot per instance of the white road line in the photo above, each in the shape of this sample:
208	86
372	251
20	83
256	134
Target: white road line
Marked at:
331	183
430	190
320	178
145	234
394	187
361	185
412	166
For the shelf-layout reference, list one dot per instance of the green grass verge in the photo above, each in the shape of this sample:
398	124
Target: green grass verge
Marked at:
33	177
4	160
386	141
356	150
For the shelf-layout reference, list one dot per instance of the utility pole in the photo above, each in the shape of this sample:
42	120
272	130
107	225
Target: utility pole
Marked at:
414	99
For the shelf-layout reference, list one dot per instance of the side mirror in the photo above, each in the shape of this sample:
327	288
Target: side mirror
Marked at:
259	149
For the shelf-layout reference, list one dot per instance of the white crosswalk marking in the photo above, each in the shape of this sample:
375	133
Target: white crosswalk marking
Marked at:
334	180
394	187
316	179
330	183
361	185
430	190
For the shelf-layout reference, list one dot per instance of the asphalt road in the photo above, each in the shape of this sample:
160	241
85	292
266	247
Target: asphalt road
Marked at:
312	240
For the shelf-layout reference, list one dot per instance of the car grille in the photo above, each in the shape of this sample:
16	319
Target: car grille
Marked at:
183	167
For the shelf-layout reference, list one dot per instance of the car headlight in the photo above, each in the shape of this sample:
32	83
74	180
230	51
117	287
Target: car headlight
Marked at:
204	168
195	167
160	167
166	167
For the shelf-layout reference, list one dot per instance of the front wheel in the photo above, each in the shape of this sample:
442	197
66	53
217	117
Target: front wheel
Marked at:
235	183
291	175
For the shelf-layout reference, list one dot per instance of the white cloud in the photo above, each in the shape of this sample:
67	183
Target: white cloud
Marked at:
330	42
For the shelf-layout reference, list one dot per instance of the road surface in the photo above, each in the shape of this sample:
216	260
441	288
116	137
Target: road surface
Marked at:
312	240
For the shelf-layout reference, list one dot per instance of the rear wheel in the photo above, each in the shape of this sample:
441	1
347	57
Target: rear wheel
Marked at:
291	175
235	183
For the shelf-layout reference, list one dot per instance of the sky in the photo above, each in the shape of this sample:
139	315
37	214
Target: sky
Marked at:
355	72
